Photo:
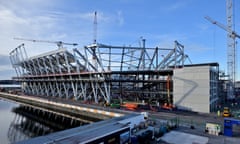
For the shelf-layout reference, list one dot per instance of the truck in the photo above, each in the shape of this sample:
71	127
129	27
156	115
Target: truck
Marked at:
226	112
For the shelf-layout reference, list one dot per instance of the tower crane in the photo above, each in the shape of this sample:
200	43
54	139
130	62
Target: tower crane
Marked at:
231	33
94	46
58	43
95	28
231	47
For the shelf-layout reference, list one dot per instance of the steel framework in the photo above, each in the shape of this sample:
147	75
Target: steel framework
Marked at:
99	72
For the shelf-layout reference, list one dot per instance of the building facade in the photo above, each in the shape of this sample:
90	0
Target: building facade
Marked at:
195	87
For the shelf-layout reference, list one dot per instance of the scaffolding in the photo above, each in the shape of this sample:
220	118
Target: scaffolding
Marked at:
100	72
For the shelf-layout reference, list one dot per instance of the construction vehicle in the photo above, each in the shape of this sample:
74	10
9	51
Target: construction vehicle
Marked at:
226	112
130	105
167	106
135	106
115	103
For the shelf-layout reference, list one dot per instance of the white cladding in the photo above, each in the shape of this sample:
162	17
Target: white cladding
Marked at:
191	88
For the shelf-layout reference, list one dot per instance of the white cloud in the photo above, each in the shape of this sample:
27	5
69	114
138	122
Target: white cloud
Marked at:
176	6
40	20
8	17
19	19
120	18
13	24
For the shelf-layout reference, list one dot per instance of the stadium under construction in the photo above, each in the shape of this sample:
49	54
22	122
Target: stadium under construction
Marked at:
104	74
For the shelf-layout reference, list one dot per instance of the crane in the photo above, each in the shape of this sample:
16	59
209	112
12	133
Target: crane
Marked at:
58	43
231	47
231	33
95	28
94	46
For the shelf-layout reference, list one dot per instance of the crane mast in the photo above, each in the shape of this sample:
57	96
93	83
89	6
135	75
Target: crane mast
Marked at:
231	51
95	28
231	47
94	56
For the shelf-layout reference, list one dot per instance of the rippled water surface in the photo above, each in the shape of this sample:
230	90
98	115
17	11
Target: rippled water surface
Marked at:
6	118
21	122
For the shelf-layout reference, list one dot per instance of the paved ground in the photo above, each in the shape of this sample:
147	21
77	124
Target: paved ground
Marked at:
198	121
185	118
176	137
212	139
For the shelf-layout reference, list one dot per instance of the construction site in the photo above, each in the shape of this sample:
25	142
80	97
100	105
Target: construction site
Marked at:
136	78
100	73
129	76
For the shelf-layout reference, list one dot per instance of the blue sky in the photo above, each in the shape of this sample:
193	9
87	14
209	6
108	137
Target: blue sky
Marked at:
120	22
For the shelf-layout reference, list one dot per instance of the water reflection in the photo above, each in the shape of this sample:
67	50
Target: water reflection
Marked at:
31	122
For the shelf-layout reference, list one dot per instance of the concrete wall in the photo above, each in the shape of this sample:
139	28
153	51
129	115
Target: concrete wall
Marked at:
191	88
